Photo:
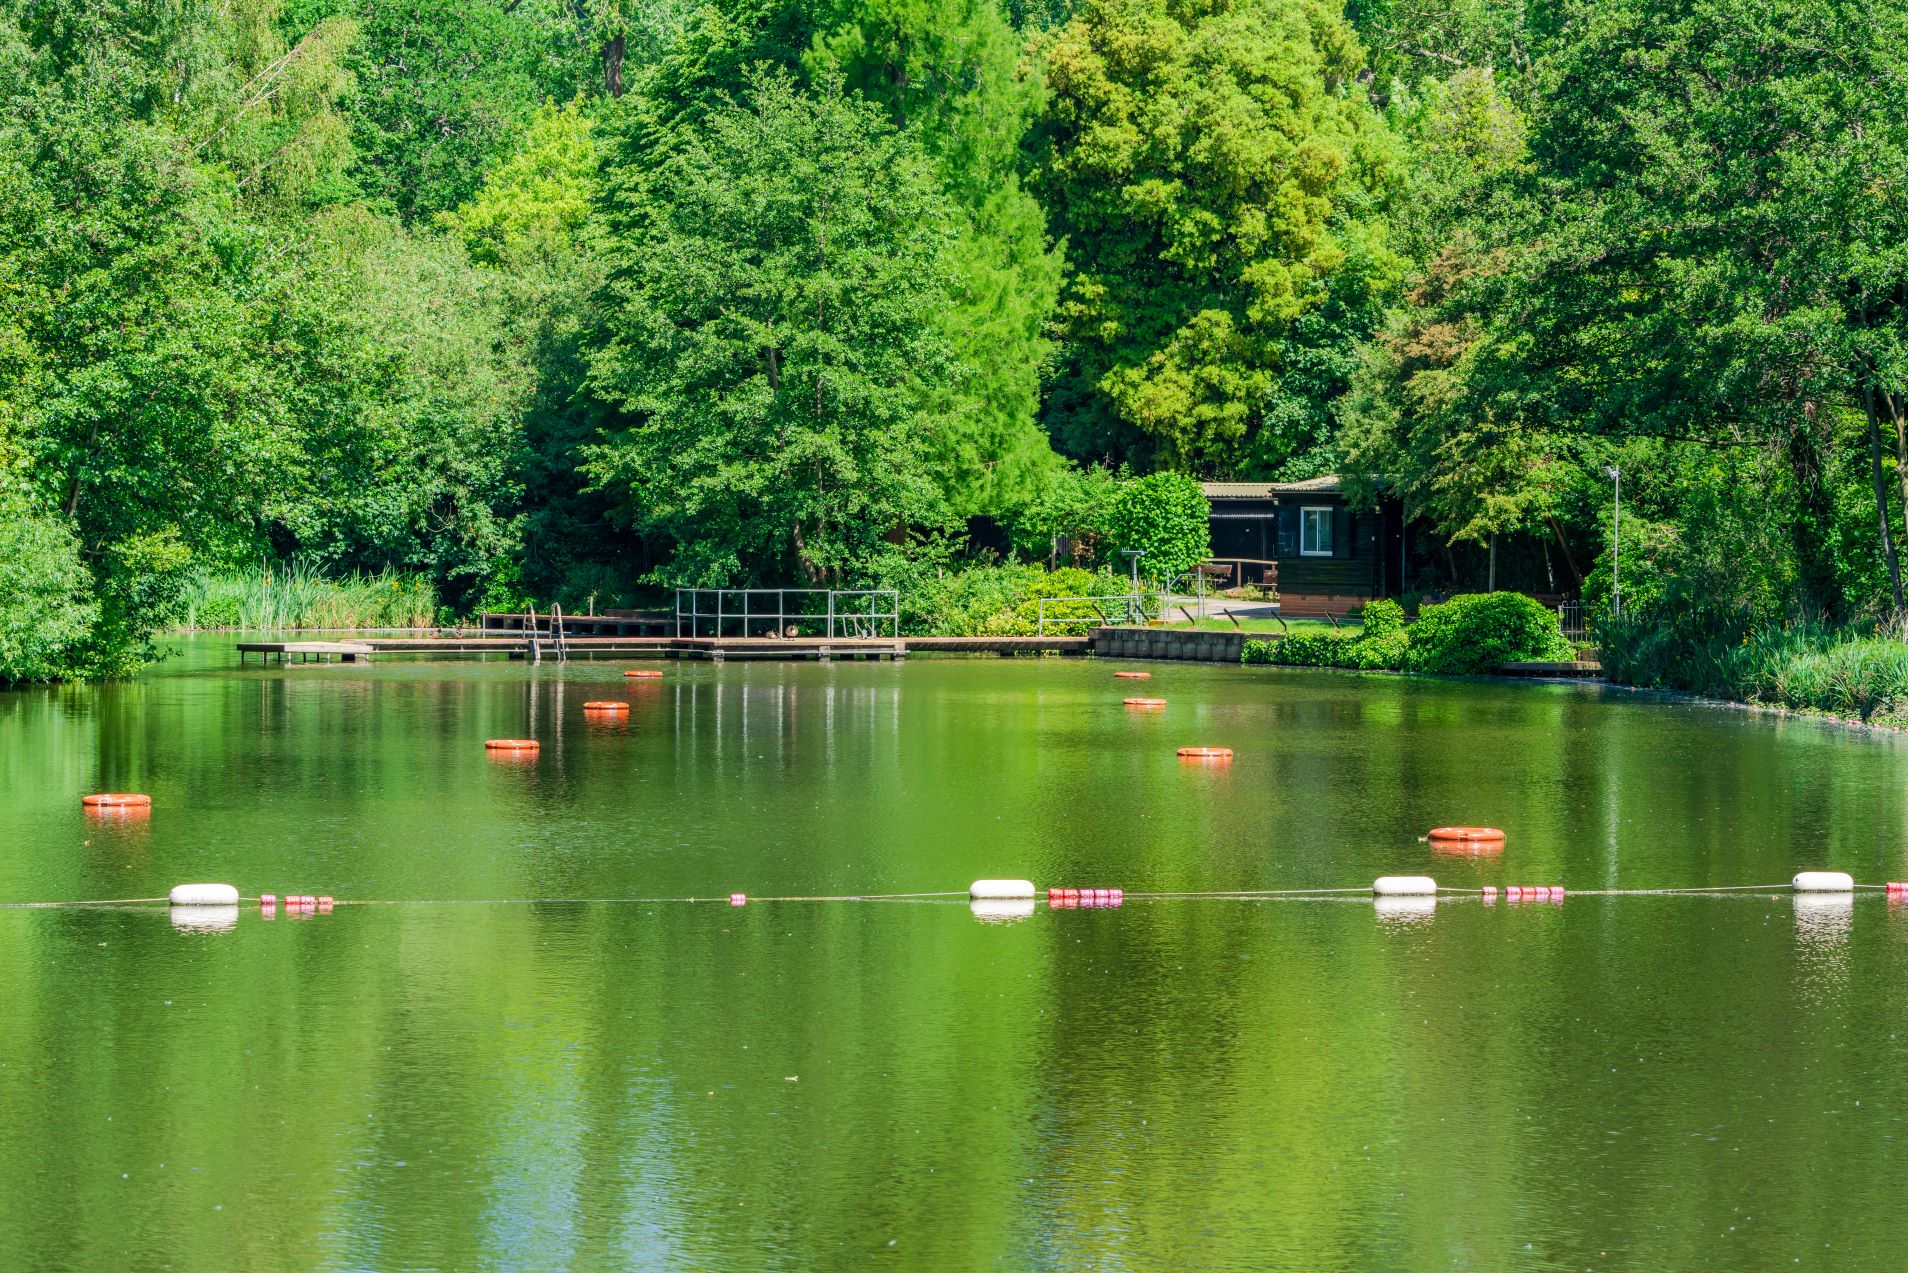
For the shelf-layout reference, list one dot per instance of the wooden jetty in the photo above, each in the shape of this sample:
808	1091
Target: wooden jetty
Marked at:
715	649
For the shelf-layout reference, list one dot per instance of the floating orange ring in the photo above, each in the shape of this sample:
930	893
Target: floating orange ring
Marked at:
1467	835
606	705
1144	702
511	744
117	800
1218	755
1134	676
643	673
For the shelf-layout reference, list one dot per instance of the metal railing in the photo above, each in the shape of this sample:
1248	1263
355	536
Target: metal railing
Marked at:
788	612
1571	618
1134	608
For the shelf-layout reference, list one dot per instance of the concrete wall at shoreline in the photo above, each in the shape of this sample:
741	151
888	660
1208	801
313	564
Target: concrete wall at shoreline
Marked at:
1184	645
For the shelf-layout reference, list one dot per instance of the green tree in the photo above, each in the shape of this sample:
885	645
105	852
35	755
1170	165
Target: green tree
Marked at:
1712	245
771	332
1218	177
1166	517
536	223
534	203
443	87
952	71
46	606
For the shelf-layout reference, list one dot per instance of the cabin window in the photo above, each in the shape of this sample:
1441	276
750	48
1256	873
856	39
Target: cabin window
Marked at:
1315	532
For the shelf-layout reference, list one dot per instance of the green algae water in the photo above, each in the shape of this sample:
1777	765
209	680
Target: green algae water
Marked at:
501	1065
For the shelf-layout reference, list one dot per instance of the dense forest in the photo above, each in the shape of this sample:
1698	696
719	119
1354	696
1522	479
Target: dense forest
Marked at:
516	301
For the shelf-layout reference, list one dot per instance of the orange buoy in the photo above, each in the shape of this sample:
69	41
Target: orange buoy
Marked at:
511	744
116	800
643	673
1211	755
1466	835
1144	702
606	705
1133	676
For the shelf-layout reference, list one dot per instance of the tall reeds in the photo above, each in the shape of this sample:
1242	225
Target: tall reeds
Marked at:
1849	671
295	596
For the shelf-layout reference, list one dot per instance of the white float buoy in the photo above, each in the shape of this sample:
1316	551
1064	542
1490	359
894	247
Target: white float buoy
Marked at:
1823	882
203	895
997	910
1409	909
1000	890
1404	886
204	919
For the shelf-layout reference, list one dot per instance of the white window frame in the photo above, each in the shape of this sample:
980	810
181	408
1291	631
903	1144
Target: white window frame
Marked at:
1324	512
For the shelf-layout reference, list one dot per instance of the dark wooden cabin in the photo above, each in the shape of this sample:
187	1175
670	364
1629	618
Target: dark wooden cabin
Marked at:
1327	555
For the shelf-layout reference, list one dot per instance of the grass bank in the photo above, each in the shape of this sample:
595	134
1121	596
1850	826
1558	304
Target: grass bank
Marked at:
287	598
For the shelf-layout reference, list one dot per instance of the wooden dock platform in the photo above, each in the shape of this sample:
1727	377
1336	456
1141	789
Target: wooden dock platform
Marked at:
714	649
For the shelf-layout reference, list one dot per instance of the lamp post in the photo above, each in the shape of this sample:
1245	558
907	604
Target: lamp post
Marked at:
1615	474
1132	556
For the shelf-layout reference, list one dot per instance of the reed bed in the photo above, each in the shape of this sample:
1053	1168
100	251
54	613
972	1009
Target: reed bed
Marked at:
295	596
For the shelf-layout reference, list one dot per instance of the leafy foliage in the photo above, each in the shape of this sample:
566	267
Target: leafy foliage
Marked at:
46	612
1215	174
1165	516
1480	632
773	327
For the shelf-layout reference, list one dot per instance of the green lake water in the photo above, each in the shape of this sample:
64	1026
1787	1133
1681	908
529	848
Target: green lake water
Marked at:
495	1073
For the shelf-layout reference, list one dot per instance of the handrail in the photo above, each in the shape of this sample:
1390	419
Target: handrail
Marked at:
832	617
1133	606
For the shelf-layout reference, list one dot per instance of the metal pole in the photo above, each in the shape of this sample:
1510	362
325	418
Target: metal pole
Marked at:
1616	543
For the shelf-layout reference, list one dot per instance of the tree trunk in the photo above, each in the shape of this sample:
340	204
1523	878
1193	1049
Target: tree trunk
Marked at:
1563	546
1814	521
1881	498
1893	402
613	65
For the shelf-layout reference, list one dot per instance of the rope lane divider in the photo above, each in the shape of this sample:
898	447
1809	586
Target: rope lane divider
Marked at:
1827	884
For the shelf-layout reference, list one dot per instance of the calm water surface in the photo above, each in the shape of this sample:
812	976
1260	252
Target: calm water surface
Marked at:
492	1075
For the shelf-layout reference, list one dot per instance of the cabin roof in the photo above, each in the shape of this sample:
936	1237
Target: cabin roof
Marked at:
1326	485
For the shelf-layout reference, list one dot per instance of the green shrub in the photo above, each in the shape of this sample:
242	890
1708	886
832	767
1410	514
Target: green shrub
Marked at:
1480	632
1167	517
1077	615
961	602
1384	652
1382	617
1388	651
1004	600
46	607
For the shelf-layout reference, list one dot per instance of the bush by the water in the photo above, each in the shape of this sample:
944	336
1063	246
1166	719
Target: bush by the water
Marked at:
1005	600
1380	645
285	597
1480	632
1848	671
46	610
1467	634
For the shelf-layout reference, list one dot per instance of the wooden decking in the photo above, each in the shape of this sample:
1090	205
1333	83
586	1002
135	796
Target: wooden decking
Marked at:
716	649
1554	671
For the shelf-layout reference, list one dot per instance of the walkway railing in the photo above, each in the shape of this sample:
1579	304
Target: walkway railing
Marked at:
1132	609
1570	618
788	612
